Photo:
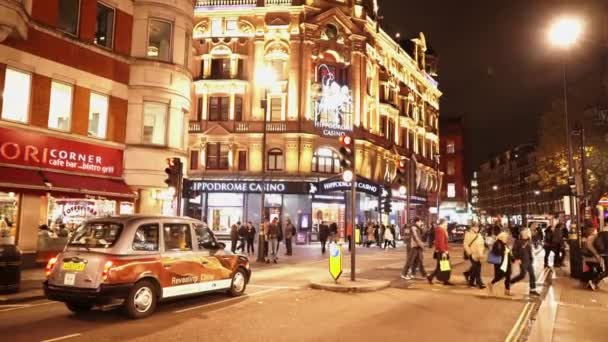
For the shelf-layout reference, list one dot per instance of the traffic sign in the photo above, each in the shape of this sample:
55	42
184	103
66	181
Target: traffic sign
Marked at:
335	260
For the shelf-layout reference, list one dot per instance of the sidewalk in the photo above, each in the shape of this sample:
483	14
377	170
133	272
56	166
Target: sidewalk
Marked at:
30	287
571	312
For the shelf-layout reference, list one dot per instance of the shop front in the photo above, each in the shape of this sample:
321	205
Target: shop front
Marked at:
49	186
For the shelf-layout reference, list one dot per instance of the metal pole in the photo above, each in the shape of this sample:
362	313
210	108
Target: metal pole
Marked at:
439	185
261	237
583	196
353	203
568	137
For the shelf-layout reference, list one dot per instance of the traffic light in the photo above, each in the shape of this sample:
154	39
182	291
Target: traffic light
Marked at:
401	176
387	205
347	157
174	173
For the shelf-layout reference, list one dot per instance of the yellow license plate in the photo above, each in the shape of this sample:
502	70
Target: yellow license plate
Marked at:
74	266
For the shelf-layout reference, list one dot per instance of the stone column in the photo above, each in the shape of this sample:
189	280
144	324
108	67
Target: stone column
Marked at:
306	152
293	90
256	109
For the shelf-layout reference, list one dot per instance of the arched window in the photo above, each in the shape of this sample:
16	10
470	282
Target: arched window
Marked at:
325	160
275	160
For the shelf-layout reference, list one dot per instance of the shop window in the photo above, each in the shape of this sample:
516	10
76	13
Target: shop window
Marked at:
220	68
242	160
104	32
194	160
275	160
98	115
60	109
224	210
451	190
276	109
217	156
146	238
178	237
16	96
451	147
155	123
238	108
159	40
450	168
325	161
9	215
68	16
219	108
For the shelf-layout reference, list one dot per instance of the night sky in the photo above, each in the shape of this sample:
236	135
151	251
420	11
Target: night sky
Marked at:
496	67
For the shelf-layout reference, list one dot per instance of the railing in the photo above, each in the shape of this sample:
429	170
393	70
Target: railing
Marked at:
246	126
219	3
278	2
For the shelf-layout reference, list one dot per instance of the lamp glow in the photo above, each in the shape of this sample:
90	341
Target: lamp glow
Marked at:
347	176
266	77
565	32
402	190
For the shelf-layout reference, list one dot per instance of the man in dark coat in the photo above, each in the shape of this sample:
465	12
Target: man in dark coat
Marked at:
323	235
522	254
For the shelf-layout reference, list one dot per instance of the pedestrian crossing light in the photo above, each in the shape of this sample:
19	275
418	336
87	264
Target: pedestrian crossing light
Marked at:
347	154
174	173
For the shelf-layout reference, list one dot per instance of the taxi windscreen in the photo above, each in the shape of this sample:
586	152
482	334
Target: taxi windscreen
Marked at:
96	235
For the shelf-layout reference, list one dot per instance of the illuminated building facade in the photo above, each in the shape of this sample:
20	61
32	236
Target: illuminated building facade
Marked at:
296	75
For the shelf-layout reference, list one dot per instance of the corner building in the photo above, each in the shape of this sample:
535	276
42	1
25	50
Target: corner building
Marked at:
95	96
276	82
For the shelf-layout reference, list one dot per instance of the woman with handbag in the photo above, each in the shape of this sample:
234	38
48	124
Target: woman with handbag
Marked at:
474	249
500	257
441	255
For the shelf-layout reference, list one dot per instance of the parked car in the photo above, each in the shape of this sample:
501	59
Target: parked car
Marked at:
457	232
141	260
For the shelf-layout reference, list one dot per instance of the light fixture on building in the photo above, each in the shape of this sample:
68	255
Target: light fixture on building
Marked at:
495	187
565	31
537	192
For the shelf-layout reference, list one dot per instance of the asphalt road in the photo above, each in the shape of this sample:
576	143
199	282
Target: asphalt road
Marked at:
279	306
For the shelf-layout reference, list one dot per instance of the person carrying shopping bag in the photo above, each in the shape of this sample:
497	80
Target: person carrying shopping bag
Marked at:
474	248
500	256
441	254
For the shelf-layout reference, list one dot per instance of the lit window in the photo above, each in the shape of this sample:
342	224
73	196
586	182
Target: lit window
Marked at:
275	160
325	161
219	108
276	109
105	25
68	16
231	25
451	147
155	122
16	96
159	40
216	27
451	190
60	112
218	156
98	115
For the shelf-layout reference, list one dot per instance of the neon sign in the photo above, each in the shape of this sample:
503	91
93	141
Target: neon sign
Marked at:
333	106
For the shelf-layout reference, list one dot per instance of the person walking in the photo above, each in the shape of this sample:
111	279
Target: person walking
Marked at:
377	234
441	251
263	235
250	236
388	238
234	236
279	235
394	232
416	253
242	237
593	260
552	244
522	255
371	235
333	232
474	248
502	269
271	236
323	235
290	231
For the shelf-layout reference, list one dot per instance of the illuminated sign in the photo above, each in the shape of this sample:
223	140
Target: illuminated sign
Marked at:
333	106
247	186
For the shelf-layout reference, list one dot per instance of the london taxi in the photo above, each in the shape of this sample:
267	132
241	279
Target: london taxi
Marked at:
137	261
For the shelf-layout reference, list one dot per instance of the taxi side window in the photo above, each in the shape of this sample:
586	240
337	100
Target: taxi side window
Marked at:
204	236
146	238
177	237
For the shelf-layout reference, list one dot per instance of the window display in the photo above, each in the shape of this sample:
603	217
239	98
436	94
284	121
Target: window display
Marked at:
224	210
9	207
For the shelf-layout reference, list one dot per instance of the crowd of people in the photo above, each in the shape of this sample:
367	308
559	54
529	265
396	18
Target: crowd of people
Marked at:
242	237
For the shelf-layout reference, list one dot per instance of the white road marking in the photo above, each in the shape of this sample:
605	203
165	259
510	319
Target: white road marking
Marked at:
276	287
25	306
61	338
519	324
226	300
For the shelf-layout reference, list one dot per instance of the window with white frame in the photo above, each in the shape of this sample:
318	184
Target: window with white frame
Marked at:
16	95
159	39
155	123
451	190
98	115
60	109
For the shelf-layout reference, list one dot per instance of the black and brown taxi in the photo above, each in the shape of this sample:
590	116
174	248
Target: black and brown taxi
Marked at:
140	260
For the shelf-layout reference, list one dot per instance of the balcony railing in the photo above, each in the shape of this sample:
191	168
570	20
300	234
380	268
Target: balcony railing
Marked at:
246	126
223	3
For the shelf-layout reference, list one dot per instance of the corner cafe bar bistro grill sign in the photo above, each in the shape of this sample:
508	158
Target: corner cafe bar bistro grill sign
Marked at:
41	151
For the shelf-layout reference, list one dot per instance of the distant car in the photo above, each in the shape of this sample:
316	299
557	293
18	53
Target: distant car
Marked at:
458	231
141	260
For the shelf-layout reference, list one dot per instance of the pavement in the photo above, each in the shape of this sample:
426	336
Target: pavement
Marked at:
279	305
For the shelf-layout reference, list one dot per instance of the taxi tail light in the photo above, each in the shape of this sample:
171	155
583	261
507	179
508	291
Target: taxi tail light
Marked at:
50	265
106	270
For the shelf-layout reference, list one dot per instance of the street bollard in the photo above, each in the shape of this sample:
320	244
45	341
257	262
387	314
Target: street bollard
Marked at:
261	255
576	256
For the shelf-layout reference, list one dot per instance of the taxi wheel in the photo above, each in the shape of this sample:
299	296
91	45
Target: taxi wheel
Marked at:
238	284
79	307
142	299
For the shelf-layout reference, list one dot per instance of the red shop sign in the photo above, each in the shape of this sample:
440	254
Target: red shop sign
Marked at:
38	150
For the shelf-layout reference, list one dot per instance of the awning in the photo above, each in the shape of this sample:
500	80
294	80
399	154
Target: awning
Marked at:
54	182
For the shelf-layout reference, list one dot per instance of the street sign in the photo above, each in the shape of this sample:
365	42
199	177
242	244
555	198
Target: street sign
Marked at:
335	260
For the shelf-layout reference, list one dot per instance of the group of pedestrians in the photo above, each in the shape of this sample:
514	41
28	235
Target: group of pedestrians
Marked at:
242	237
272	234
379	234
328	233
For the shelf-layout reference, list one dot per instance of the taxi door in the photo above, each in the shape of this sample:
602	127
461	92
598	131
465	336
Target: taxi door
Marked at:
215	268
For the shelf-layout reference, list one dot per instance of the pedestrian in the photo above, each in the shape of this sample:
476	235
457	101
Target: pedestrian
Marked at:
279	236
263	235
333	232
349	236
593	273
430	236
441	251
388	238
242	237
416	252
234	237
377	234
371	235
522	255
271	236
250	238
552	244
323	235
290	231
474	247
502	265
563	243
394	232
381	235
